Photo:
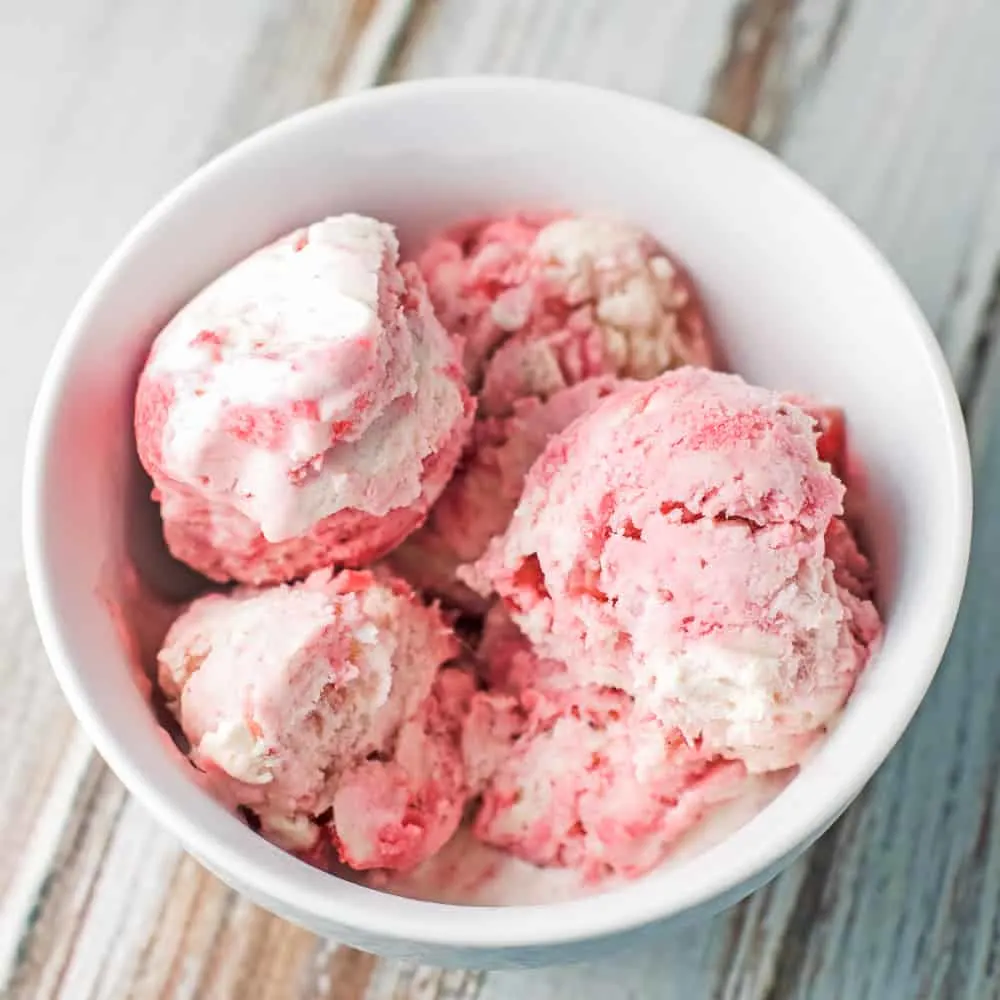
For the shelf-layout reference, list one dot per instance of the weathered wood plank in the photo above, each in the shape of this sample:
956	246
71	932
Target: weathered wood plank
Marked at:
38	737
667	50
308	51
759	38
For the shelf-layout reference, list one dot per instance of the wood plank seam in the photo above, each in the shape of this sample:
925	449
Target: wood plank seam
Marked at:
743	89
982	348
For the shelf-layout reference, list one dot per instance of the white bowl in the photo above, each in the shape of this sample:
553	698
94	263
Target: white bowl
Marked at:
801	301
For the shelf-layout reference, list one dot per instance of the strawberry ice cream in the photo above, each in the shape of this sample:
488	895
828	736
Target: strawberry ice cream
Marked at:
304	410
675	539
575	775
478	502
394	813
831	431
658	593
320	707
546	301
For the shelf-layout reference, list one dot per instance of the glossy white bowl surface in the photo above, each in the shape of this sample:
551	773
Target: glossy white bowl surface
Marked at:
801	302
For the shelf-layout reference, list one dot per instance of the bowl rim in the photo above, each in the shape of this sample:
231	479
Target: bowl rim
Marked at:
619	909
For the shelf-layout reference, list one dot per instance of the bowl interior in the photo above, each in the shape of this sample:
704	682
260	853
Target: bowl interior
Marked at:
799	300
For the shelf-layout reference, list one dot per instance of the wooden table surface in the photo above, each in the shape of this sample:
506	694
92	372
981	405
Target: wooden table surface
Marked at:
892	107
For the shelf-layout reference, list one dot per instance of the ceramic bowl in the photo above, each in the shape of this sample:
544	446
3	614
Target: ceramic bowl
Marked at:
801	301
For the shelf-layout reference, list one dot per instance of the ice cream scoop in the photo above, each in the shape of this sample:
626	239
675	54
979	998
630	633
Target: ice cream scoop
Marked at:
676	539
320	708
545	301
305	409
392	811
576	775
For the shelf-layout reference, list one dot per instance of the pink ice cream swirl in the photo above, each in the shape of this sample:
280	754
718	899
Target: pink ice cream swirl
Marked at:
572	773
545	301
684	540
305	409
320	708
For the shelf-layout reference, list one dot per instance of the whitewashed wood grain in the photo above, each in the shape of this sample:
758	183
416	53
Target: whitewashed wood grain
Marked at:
667	50
890	106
